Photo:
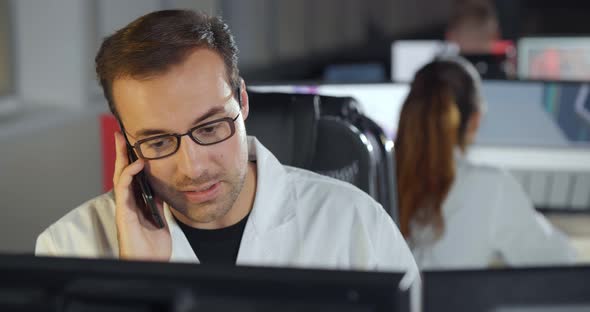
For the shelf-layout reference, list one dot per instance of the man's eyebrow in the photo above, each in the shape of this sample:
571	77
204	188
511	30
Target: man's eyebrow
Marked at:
211	112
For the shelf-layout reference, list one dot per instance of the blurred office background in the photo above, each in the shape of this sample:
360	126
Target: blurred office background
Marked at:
51	158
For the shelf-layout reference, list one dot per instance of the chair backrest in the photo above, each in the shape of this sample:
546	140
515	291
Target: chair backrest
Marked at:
344	153
294	129
386	173
286	124
347	108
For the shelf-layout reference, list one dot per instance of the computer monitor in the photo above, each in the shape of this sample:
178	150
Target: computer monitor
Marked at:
381	102
554	58
507	290
536	114
30	283
408	56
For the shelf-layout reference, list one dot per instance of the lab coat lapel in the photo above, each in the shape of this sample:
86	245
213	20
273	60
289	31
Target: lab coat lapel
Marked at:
272	220
182	251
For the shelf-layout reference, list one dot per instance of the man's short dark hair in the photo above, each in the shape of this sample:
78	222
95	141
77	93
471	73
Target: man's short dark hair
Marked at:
153	43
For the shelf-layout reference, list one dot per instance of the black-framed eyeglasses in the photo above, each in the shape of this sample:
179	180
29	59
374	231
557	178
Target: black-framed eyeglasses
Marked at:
212	132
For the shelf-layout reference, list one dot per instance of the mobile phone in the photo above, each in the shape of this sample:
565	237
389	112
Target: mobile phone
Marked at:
142	189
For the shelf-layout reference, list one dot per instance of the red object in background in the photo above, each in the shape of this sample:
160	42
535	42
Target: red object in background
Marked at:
502	47
546	65
108	127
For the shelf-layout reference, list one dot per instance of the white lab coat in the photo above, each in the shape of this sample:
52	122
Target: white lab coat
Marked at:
299	219
488	220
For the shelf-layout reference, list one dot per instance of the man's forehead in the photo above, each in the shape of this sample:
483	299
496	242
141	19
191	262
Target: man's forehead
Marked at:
186	91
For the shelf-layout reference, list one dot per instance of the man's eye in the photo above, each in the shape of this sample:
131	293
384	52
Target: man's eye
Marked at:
208	130
159	144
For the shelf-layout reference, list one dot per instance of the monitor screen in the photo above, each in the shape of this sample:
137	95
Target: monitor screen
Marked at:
554	58
408	56
50	284
544	114
506	290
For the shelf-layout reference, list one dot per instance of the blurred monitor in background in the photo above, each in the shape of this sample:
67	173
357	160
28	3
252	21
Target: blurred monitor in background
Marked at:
346	73
554	58
568	106
407	56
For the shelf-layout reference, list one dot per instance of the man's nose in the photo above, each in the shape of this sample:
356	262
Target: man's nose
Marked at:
191	157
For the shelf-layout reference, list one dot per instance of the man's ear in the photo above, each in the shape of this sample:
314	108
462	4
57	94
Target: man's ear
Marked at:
245	109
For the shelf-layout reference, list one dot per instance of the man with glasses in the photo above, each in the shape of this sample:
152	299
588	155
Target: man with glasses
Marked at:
171	80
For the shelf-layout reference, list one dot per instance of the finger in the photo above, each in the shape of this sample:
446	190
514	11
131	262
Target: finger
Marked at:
125	198
160	205
126	176
121	158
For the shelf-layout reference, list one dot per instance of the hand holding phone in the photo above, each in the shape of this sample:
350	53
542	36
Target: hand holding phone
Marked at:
139	235
143	192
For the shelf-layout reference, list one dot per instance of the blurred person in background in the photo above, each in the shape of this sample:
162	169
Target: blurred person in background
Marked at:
454	213
473	26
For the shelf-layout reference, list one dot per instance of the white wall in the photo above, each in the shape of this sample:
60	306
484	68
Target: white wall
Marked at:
48	165
52	38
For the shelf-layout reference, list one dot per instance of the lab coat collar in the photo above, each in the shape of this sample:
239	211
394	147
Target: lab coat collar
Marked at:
271	204
272	212
272	217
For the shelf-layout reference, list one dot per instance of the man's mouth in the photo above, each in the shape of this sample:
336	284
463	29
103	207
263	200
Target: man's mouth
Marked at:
202	193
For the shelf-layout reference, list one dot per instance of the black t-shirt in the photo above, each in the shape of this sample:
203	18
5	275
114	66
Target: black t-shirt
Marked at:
218	246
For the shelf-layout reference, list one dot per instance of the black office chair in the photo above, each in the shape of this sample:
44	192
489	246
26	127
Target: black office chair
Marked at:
386	166
347	108
286	124
344	153
291	126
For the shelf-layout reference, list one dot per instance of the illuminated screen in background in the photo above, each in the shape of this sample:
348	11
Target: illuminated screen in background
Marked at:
568	105
554	59
380	102
517	113
535	114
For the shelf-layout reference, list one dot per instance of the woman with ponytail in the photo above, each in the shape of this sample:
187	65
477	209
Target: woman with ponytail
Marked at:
456	214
